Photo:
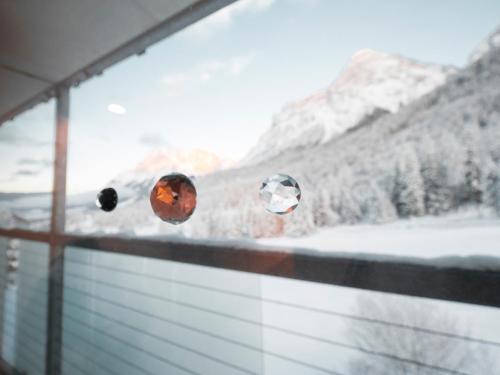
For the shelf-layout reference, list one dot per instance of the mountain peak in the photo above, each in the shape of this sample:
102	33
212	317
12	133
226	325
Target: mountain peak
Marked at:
491	42
370	82
367	54
195	162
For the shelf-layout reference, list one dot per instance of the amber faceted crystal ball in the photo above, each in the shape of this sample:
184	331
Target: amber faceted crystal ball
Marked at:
173	198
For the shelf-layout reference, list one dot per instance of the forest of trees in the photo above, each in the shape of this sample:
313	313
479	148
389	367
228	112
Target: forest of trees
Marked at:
437	155
423	176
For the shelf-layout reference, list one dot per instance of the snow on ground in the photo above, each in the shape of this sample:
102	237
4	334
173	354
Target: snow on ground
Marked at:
464	233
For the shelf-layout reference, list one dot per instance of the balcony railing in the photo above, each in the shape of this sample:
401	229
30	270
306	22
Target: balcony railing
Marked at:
148	307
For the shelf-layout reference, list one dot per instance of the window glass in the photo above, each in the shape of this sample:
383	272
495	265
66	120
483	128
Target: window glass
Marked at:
24	268
353	331
27	154
128	314
385	114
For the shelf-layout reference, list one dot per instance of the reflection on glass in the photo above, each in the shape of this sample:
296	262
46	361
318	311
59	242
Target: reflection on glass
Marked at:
356	332
443	339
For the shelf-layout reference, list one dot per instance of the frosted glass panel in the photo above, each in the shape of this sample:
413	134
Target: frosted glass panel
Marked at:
126	314
24	271
339	330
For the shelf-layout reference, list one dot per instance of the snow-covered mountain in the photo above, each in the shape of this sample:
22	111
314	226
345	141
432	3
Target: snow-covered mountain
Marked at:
373	83
32	210
139	180
134	186
193	162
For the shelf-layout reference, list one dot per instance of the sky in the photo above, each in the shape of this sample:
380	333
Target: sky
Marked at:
217	84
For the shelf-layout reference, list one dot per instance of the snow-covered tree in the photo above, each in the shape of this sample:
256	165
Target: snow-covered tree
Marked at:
301	221
342	199
374	203
489	183
472	192
408	194
438	195
497	193
323	212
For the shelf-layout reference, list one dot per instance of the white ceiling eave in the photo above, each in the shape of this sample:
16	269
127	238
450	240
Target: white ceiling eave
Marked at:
46	44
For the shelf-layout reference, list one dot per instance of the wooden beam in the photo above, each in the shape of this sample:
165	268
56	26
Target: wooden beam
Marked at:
388	274
58	219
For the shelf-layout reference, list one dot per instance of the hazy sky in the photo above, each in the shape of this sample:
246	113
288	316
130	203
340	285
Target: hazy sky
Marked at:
217	84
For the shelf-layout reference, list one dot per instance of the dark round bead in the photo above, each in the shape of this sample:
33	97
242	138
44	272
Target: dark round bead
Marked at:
107	199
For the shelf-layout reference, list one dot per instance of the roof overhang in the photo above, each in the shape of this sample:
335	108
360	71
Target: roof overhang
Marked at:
48	44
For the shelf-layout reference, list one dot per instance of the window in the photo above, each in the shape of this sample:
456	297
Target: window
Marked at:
393	152
27	153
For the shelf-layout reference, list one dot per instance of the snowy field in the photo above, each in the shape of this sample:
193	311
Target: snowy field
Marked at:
459	234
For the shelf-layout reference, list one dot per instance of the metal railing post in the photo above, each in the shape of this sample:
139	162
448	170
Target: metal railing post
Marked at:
56	261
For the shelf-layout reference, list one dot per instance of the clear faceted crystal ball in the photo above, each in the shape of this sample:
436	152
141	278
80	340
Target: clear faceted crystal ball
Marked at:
280	194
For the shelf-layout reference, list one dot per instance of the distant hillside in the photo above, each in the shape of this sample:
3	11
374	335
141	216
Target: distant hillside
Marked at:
10	196
437	154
